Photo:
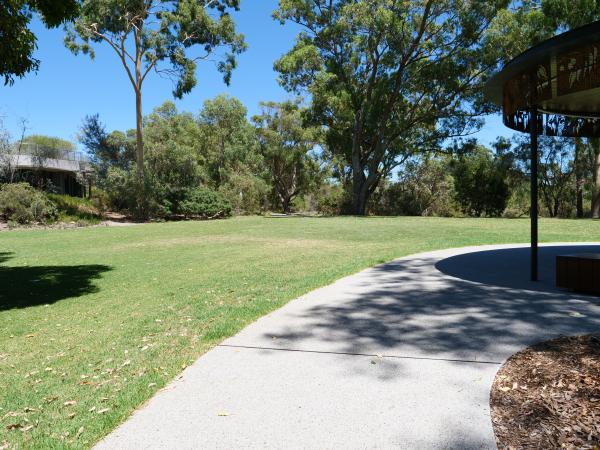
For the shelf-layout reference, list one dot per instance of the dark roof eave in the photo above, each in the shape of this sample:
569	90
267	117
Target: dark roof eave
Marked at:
562	43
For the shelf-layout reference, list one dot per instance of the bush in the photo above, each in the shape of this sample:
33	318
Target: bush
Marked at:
333	200
246	193
424	188
23	204
75	209
125	193
480	183
205	203
100	200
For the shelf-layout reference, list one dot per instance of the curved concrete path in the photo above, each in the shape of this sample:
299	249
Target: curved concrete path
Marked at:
402	355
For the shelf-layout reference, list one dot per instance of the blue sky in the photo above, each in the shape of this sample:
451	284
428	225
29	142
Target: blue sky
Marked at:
67	87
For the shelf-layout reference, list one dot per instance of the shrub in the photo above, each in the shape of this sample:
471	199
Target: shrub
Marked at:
75	209
126	193
21	203
333	200
480	183
205	203
424	188
246	193
100	200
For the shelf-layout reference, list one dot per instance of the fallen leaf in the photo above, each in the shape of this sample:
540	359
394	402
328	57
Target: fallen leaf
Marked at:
27	428
103	410
70	403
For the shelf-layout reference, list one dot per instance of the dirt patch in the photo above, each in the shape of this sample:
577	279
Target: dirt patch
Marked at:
548	396
66	225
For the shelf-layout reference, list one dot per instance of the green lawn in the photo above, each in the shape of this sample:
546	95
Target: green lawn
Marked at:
94	321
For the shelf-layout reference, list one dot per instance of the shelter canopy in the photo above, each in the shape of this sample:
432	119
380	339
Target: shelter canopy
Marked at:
561	78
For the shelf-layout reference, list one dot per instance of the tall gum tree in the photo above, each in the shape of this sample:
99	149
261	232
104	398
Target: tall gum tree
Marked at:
388	78
159	36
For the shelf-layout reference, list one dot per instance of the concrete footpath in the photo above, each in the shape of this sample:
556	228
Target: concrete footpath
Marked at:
401	355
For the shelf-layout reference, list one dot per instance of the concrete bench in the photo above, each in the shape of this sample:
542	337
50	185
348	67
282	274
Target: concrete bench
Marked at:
579	272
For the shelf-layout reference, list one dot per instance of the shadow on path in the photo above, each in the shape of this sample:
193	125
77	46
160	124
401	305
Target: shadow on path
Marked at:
407	307
24	286
510	267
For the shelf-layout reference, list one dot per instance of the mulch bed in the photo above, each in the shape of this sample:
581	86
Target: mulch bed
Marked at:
548	396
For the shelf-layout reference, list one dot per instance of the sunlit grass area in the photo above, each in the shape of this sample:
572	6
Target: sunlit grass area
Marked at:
94	321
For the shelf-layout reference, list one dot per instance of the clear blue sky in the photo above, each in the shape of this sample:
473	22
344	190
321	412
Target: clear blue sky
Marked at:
67	87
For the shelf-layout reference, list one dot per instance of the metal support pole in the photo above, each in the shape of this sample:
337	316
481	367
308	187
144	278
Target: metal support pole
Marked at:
533	129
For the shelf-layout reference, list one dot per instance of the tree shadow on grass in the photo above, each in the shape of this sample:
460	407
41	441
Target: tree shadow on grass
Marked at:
24	286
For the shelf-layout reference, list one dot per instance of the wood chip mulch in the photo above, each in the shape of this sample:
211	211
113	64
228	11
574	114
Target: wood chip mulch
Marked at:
548	396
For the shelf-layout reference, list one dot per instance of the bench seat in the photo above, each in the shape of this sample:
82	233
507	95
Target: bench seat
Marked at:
579	272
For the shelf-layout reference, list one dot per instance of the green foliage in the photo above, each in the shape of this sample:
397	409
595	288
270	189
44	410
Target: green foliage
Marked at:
140	198
17	41
227	141
47	147
76	209
216	149
171	158
424	188
388	79
287	144
205	203
556	171
480	182
247	193
333	200
115	149
563	14
50	142
156	35
162	32
21	203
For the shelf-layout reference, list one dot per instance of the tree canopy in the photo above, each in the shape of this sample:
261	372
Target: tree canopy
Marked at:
160	36
388	78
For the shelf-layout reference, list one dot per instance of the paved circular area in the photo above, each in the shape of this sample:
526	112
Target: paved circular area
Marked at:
401	355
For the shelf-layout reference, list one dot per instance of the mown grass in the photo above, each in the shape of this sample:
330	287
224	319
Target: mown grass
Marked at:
94	321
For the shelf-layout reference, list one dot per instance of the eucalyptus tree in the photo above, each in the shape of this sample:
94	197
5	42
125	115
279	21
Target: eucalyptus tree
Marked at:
226	137
287	146
159	36
388	78
17	41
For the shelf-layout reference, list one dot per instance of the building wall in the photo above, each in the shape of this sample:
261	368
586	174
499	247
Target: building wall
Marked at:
60	182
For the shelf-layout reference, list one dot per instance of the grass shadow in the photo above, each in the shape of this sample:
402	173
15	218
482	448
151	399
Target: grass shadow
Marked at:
26	286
